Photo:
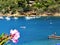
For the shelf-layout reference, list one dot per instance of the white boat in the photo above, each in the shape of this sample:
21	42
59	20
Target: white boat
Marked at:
7	18
54	37
15	17
1	17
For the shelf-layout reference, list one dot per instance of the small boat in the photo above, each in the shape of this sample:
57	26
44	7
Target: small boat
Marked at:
54	37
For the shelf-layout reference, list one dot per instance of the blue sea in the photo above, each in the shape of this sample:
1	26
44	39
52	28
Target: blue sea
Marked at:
34	31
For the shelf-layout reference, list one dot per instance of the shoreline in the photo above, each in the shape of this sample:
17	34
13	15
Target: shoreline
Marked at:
19	15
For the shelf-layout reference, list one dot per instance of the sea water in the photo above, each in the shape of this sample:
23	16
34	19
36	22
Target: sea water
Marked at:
33	31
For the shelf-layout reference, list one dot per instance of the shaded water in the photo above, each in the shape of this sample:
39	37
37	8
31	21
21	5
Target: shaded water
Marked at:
33	31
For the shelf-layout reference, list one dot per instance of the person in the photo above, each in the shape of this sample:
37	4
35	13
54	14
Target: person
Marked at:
54	34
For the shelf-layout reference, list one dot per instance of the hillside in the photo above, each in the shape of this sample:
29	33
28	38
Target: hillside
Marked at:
30	7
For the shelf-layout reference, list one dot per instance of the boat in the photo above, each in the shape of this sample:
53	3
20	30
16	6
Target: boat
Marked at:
53	37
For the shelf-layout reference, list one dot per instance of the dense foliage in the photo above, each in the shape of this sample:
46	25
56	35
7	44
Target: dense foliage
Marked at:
13	6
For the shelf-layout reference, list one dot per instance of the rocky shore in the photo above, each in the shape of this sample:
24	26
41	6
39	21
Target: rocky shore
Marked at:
32	14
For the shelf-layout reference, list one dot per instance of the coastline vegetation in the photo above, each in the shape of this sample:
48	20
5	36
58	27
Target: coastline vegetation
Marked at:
29	7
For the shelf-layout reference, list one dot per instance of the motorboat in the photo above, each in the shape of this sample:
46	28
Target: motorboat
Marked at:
53	37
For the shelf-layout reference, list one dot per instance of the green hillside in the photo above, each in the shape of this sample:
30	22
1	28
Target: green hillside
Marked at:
40	6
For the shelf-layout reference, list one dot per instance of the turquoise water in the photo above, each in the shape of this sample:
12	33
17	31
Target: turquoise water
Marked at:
33	31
